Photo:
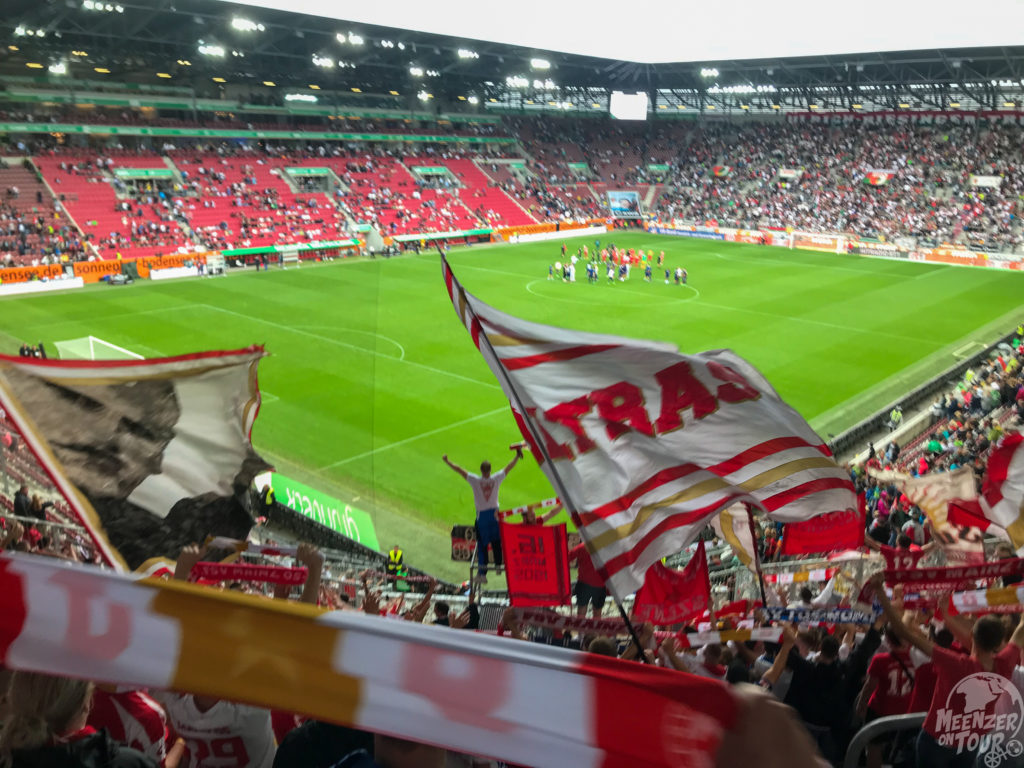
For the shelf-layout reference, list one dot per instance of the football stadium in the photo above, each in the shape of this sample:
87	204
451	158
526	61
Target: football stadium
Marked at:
684	372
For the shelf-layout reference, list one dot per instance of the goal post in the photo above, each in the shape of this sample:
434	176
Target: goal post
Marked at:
93	348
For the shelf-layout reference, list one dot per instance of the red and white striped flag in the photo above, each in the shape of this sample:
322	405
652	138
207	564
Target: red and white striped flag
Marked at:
648	443
540	706
1002	493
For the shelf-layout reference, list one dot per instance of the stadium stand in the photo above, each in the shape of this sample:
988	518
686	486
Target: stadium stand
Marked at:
917	181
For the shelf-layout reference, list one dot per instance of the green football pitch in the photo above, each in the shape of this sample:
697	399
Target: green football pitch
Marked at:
371	378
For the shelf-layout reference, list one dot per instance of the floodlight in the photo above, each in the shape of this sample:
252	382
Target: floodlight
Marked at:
416	71
465	53
211	50
540	64
323	61
473	100
244	25
307	97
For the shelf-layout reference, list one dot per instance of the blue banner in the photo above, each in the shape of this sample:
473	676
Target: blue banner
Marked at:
686	233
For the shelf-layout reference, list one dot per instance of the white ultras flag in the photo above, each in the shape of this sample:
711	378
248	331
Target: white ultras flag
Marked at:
647	443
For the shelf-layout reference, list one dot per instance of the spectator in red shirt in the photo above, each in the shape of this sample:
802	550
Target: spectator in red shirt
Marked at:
989	653
589	589
887	691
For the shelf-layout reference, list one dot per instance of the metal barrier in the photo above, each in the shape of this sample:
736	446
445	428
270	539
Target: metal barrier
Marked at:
879	727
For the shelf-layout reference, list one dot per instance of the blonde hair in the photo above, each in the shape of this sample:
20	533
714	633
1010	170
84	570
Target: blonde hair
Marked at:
39	709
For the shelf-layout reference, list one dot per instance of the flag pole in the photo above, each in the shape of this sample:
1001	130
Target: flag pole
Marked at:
757	556
538	441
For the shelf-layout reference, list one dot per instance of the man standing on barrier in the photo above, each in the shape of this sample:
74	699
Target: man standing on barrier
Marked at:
485	498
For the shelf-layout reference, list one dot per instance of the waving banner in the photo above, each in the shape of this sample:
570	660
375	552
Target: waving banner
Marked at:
831	532
150	455
671	597
1002	494
644	444
536	564
541	706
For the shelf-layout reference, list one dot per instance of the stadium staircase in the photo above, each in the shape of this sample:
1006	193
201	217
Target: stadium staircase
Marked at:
487	202
30	191
92	202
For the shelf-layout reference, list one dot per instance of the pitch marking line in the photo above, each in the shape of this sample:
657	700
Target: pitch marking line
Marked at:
965	350
414	438
336	342
401	349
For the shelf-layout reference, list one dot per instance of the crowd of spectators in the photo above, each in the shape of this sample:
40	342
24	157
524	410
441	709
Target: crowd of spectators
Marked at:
930	195
830	679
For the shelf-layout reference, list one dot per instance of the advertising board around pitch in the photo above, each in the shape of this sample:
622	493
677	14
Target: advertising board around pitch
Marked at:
340	517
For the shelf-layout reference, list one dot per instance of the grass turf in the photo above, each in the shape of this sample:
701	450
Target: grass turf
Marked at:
371	378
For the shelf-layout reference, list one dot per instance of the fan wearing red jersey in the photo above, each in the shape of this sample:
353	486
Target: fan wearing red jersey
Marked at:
887	690
132	718
950	739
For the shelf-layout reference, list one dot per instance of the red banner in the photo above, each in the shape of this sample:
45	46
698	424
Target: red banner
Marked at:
536	564
843	529
947	578
671	597
274	574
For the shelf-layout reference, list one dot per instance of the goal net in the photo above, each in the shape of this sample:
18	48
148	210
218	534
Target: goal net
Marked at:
92	348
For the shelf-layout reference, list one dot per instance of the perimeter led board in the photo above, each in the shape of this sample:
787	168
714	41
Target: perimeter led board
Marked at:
658	31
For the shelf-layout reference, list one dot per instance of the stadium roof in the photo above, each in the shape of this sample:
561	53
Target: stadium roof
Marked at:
667	31
190	42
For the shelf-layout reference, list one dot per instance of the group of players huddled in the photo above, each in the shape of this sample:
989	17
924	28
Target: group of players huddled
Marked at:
615	262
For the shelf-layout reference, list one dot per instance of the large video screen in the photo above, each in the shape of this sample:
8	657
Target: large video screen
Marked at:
624	204
659	31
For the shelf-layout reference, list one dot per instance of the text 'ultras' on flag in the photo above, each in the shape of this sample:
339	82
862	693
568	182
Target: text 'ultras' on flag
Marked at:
649	443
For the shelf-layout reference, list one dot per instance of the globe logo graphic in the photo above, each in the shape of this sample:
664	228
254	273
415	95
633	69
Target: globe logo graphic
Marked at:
988	711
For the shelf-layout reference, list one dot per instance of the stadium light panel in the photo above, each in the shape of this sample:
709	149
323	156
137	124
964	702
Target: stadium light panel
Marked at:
356	90
416	71
13	48
101	70
540	64
212	50
58	68
218	79
789	28
628	106
857	106
516	81
904	105
709	72
473	100
954	104
307	97
184	63
323	61
314	87
34	65
269	83
164	75
244	25
393	93
1009	104
465	53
